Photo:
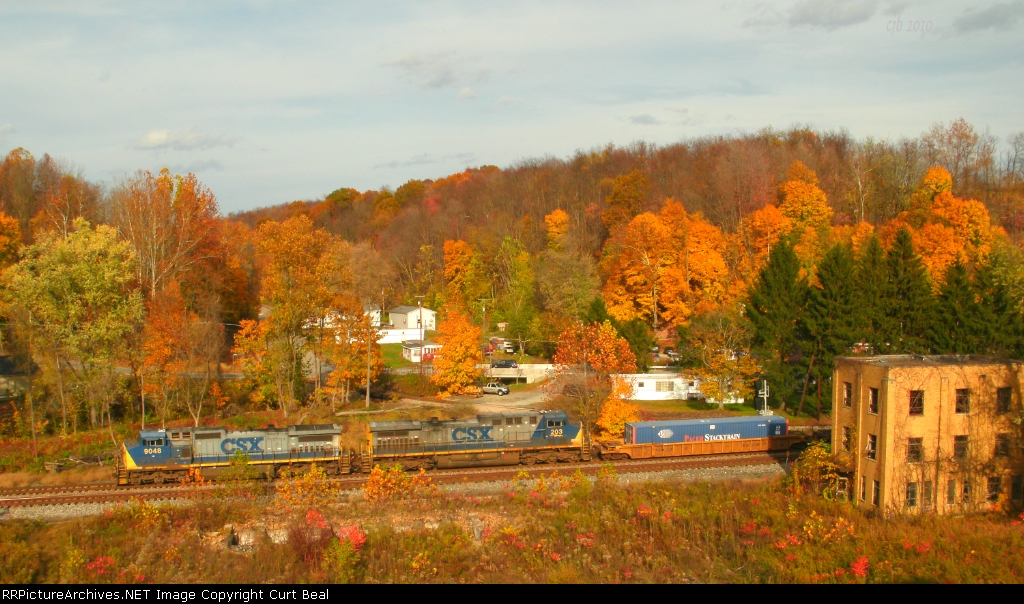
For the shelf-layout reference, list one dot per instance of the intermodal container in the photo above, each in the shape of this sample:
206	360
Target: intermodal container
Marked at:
704	429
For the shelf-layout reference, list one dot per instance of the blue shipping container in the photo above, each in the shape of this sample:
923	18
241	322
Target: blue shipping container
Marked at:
707	428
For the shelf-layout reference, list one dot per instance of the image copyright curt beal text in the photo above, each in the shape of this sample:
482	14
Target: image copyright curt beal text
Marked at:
169	595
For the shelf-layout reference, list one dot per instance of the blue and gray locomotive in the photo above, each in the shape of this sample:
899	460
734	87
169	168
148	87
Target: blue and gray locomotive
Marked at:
161	456
491	439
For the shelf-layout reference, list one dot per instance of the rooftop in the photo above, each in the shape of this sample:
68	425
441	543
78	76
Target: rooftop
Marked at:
404	310
924	360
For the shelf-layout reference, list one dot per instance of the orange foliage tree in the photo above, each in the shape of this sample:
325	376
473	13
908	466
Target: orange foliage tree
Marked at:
585	359
753	240
944	228
670	263
455	369
168	220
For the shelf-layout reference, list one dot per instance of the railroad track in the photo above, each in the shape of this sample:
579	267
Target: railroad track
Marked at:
110	492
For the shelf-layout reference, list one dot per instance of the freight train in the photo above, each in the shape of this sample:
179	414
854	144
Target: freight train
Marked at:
490	439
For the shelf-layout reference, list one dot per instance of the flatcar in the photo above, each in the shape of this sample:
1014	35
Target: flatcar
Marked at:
490	439
167	455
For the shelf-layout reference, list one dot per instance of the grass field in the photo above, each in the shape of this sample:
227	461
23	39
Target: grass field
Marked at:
538	528
393	356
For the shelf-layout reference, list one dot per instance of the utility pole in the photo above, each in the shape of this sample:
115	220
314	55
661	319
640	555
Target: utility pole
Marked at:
369	348
28	391
419	319
483	305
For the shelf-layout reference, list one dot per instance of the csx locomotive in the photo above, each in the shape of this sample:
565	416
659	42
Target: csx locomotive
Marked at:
528	437
167	455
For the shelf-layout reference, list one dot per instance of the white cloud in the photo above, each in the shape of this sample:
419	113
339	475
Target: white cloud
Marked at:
202	165
436	69
190	139
644	119
999	17
427	158
4	131
831	14
466	94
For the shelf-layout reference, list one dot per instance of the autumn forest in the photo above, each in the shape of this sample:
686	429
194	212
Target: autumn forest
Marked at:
760	256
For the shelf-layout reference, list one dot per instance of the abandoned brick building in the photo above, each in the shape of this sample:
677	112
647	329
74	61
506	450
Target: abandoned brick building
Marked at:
936	434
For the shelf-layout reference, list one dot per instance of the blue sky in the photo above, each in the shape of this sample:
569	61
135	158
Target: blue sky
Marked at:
271	101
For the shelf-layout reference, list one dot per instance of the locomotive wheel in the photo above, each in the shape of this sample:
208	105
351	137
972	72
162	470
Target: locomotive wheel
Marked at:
158	479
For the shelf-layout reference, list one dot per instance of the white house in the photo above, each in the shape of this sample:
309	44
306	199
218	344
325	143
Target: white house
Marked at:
663	386
409	317
373	311
411	350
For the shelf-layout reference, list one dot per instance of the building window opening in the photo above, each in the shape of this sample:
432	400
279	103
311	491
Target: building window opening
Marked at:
963	400
1003	398
873	400
995	487
863	488
847	437
1017	488
872	449
847	394
951	493
926	494
876	494
966	492
917	402
912	495
960	447
1002	445
915	450
663	386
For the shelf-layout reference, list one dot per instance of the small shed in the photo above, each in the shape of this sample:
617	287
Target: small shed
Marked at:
374	312
663	386
411	350
413	317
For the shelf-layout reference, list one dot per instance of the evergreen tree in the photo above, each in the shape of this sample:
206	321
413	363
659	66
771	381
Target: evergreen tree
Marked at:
999	322
957	320
832	319
871	279
776	302
907	299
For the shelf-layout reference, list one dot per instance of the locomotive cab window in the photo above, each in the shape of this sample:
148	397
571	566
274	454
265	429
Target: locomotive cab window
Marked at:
496	422
152	442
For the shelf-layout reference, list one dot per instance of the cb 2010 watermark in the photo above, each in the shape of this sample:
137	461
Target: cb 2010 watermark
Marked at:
898	25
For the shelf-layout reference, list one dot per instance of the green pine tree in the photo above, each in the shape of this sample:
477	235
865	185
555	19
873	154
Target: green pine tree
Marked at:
871	280
999	323
956	324
907	299
776	302
831	320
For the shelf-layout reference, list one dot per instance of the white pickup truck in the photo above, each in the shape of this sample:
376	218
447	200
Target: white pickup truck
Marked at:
496	388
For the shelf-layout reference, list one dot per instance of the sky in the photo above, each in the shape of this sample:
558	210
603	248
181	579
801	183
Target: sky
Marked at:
271	101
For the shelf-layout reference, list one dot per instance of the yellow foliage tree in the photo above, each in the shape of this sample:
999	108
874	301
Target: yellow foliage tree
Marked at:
802	201
455	369
644	251
10	240
557	223
617	410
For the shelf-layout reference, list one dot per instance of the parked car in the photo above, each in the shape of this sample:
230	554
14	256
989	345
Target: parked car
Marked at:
496	388
504	364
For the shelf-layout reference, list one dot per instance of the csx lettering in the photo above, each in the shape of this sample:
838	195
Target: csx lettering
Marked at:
471	434
245	445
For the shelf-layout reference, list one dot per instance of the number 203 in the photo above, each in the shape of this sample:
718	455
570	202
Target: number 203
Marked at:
556	432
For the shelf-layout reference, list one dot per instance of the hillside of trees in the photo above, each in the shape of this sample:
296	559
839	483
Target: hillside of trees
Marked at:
760	255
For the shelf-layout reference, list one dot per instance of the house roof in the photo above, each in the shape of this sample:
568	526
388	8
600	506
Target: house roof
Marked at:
404	310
